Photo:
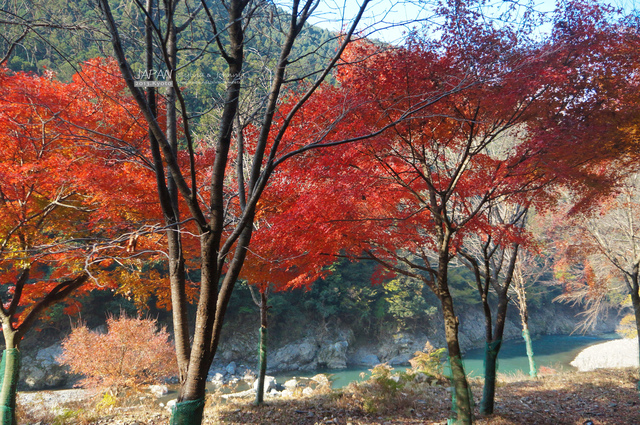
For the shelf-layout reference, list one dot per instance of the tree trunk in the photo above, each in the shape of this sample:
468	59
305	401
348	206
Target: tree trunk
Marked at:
524	318
492	349
9	373
262	370
190	406
462	397
635	301
533	370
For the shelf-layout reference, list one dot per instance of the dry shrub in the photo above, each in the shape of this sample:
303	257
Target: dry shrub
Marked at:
429	361
384	392
132	353
388	390
627	326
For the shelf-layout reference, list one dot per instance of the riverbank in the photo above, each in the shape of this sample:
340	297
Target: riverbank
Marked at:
604	396
611	354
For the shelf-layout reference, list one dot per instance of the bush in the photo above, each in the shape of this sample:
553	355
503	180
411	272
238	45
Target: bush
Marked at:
384	391
627	326
430	361
132	353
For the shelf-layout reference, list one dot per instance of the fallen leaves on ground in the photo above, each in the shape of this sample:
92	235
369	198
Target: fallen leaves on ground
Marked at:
605	397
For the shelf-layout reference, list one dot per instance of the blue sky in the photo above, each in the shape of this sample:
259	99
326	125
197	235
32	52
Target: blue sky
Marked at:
388	19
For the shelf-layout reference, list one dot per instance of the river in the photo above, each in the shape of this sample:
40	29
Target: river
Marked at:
553	351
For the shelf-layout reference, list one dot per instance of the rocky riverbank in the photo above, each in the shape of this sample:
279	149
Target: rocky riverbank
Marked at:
618	353
335	346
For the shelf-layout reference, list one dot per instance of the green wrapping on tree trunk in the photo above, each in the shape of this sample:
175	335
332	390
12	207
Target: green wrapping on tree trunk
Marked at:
533	371
457	416
263	346
490	369
188	412
263	366
9	373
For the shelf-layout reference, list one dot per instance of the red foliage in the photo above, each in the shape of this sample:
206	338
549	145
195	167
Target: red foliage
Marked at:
560	113
73	186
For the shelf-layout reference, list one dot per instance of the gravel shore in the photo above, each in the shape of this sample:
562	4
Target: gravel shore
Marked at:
612	354
39	402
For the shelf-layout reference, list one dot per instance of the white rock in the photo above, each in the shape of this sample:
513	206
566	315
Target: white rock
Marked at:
291	384
321	379
158	390
218	377
269	384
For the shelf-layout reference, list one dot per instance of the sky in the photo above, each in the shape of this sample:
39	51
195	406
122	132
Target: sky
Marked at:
390	20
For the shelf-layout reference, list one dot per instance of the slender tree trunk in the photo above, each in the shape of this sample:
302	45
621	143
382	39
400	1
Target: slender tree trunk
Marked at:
9	373
524	318
462	397
635	302
262	369
168	198
533	370
492	349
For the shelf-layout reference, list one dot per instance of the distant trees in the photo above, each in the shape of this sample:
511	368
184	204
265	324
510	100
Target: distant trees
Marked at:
604	247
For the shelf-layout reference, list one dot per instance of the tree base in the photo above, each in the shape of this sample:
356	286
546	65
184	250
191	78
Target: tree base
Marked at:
189	412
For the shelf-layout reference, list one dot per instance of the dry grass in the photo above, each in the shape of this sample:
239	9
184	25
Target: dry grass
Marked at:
606	397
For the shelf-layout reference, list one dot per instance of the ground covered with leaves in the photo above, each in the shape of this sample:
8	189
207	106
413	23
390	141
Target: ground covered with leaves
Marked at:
605	396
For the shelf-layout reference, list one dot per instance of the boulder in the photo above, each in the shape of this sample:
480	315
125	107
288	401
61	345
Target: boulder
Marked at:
270	383
217	378
158	390
231	368
334	356
370	360
400	360
297	355
322	380
42	371
291	384
364	358
249	377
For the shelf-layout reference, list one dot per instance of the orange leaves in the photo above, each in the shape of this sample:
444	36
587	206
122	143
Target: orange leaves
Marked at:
131	353
73	178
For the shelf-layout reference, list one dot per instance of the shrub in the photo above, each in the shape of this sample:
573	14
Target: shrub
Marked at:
132	352
627	326
385	390
429	361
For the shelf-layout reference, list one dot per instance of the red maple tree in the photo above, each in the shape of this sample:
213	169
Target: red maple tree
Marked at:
68	201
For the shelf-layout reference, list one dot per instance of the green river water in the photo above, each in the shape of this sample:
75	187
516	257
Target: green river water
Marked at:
553	351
